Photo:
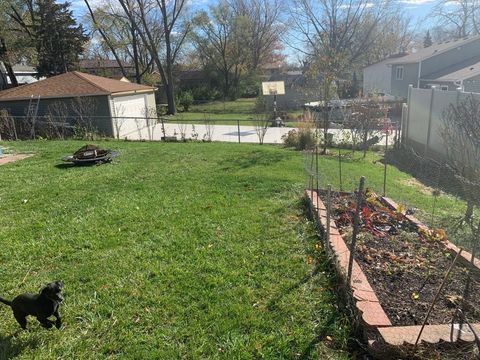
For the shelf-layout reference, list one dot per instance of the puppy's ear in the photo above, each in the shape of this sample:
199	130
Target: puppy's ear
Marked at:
46	289
59	283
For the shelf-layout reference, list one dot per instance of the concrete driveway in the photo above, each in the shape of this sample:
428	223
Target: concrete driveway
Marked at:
228	133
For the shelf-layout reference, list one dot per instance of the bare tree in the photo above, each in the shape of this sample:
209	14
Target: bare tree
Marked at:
457	18
84	109
335	34
163	46
57	118
118	119
262	123
221	38
461	135
365	118
106	39
209	127
266	23
334	27
7	126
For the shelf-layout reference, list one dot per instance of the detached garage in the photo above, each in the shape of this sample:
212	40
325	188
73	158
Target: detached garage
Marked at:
110	107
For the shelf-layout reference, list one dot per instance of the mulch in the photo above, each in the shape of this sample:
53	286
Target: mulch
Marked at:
404	266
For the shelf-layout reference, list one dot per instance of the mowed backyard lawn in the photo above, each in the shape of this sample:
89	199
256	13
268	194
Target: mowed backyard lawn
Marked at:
187	250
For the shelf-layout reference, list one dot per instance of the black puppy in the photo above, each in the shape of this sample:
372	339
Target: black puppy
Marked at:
41	305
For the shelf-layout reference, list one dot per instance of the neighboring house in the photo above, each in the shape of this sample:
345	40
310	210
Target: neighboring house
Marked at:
116	108
105	67
192	78
377	77
298	90
448	65
25	74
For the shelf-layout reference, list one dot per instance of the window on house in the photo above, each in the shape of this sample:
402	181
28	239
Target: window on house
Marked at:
444	87
399	73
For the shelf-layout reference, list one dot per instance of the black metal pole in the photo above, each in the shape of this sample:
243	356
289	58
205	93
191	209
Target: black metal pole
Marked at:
340	169
238	130
356	225
385	165
329	208
275	109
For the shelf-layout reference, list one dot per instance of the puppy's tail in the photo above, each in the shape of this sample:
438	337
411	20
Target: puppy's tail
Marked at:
6	302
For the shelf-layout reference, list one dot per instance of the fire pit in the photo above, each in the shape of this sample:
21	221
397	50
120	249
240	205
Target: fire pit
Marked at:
90	154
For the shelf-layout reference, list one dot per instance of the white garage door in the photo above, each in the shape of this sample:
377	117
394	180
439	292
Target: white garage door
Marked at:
129	117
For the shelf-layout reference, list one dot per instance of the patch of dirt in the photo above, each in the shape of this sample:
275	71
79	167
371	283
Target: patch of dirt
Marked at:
418	185
6	158
406	267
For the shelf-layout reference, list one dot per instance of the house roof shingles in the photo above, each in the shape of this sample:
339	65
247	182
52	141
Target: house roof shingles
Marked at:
71	84
432	50
463	72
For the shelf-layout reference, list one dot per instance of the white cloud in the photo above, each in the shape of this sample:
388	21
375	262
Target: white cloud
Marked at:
366	5
415	2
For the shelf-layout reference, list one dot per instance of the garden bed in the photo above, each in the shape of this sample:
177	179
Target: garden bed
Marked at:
398	267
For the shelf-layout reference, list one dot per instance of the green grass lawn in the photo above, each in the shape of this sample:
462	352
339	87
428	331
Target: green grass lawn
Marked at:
174	251
226	113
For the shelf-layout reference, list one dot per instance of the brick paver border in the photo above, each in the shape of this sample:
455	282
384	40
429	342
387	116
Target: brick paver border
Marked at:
377	325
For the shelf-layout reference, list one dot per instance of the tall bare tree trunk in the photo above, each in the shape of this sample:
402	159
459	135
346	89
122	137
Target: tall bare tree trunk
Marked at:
6	61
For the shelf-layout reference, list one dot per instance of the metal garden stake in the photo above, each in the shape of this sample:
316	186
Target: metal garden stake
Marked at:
356	225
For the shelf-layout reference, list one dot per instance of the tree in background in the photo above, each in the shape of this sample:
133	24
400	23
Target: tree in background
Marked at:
236	38
58	39
266	27
15	46
53	32
162	28
456	18
115	35
461	133
427	40
221	39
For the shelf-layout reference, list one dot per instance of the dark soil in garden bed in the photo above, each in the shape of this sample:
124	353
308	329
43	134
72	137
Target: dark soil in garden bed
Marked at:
404	266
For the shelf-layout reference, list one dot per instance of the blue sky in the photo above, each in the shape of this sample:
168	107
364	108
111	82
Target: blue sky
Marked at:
418	10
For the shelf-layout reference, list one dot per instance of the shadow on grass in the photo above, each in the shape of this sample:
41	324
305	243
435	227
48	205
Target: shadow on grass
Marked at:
11	346
64	166
321	333
427	171
255	158
272	304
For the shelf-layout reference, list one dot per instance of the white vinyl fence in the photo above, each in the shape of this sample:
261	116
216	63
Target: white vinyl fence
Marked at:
422	119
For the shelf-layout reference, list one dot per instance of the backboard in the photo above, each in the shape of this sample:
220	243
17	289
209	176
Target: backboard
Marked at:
273	88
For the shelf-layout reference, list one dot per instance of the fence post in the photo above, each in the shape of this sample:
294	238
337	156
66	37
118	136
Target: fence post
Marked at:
329	206
385	164
409	104
356	224
432	95
238	130
340	169
14	128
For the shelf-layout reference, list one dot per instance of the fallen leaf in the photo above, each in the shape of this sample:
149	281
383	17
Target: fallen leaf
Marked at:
415	296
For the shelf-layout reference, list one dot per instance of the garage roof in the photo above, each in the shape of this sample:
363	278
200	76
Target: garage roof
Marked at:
72	84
